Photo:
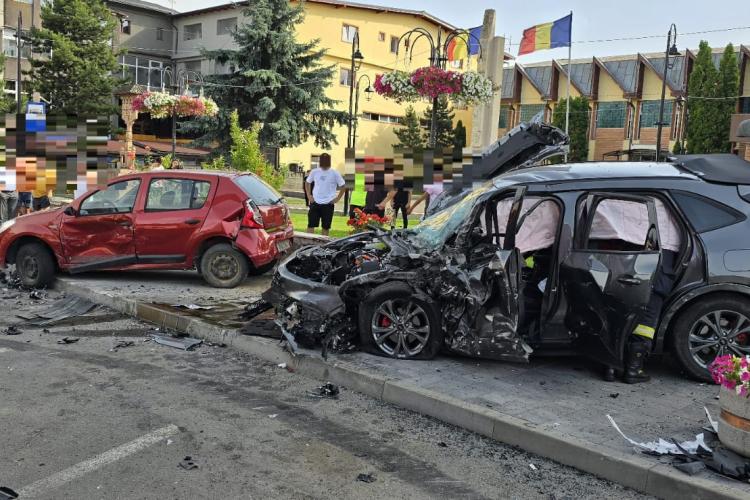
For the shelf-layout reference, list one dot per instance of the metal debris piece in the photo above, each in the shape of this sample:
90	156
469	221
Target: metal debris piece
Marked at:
215	344
714	424
12	330
281	365
366	478
184	343
122	344
188	463
38	294
533	467
60	310
690	468
614	395
327	390
442	444
256	308
662	447
7	493
274	415
68	340
193	307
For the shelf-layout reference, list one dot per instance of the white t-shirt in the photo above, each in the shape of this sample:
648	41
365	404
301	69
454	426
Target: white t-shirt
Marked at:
7	179
327	184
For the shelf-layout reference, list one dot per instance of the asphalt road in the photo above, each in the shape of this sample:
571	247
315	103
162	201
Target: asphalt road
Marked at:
82	421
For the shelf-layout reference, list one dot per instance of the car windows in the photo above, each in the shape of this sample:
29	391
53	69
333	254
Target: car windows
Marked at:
261	193
538	229
704	214
117	198
176	194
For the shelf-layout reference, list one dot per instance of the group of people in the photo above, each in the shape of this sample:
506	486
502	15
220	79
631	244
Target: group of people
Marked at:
14	203
324	187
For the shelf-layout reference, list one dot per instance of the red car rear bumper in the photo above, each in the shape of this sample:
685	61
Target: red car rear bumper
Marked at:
262	247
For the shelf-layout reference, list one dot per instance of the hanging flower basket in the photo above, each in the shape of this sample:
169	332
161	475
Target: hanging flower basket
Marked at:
163	105
465	89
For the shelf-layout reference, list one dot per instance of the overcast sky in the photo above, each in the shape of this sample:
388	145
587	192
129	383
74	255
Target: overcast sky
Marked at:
592	20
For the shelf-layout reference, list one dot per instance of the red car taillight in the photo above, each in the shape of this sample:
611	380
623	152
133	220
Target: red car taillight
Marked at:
252	217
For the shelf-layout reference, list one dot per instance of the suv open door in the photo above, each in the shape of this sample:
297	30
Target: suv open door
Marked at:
608	282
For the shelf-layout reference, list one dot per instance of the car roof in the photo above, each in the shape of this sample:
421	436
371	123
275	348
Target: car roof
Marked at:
720	168
190	174
571	172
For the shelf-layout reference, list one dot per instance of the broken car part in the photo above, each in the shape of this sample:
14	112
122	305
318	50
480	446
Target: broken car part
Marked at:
184	343
69	307
327	390
663	447
12	330
7	493
188	463
366	478
68	340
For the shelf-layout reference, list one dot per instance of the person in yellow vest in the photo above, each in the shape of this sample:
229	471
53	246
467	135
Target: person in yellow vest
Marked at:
40	198
358	195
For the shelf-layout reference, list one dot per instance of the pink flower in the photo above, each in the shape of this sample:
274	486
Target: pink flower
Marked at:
745	376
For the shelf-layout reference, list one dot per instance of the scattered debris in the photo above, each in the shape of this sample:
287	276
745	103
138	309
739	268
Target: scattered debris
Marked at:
533	467
169	441
256	308
215	344
327	390
442	444
273	415
193	307
691	468
184	343
188	463
281	365
7	494
38	294
60	310
366	478
663	447
121	344
714	424
68	340
614	395
12	330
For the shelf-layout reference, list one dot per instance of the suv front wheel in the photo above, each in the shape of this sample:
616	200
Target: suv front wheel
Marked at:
223	267
711	327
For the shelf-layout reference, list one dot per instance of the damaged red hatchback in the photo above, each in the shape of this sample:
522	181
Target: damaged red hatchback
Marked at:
224	225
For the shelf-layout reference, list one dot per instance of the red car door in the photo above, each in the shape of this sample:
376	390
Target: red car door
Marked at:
173	213
98	234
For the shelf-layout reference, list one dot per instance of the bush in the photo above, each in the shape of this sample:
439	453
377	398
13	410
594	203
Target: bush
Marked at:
247	156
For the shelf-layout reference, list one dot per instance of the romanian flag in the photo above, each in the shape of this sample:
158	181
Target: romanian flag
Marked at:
457	49
547	36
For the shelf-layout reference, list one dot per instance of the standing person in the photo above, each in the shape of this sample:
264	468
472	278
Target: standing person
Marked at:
24	202
8	202
40	199
401	201
323	195
305	175
431	191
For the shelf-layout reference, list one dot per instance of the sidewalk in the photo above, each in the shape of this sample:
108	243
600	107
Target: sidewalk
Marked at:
555	407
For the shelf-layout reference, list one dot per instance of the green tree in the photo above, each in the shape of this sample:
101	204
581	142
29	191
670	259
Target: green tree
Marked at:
729	88
274	80
77	78
411	135
578	127
459	136
678	148
246	154
7	101
444	133
703	128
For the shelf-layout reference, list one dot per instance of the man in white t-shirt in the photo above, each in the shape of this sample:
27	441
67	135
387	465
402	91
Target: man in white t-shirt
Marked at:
324	188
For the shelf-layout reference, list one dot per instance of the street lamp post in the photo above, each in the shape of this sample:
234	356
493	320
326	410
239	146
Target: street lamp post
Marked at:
180	84
356	63
368	91
671	51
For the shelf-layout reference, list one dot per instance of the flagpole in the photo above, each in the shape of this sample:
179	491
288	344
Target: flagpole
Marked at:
570	72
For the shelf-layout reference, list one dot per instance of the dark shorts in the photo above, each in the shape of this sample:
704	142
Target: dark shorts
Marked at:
320	214
41	203
24	199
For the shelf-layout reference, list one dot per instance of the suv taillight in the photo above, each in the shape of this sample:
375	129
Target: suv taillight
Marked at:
252	217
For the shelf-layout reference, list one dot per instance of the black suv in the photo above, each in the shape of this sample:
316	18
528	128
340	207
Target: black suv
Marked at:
556	259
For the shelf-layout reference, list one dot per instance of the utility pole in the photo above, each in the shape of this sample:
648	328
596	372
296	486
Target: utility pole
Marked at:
18	63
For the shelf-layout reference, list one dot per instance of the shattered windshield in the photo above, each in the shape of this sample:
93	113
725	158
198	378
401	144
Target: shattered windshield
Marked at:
434	231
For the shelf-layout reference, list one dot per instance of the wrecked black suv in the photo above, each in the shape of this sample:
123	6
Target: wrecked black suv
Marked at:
553	259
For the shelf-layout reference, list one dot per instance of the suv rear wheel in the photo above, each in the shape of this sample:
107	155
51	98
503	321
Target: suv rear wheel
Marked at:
35	266
223	267
711	327
395	323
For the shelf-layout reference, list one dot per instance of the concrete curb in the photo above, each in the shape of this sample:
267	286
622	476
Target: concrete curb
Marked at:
632	471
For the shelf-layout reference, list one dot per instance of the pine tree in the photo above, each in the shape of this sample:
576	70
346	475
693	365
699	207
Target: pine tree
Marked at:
729	87
411	135
459	136
702	113
275	81
77	77
578	130
444	133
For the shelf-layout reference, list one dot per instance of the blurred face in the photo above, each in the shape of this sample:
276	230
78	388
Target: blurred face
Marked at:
325	168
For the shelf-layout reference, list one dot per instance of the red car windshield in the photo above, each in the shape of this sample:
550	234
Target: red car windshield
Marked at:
258	191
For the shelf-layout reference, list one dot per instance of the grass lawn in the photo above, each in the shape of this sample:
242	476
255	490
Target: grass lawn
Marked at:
339	228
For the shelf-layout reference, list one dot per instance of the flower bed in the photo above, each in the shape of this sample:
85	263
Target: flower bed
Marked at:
465	89
163	105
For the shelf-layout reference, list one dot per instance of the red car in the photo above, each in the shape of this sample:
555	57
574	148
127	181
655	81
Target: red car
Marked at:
224	225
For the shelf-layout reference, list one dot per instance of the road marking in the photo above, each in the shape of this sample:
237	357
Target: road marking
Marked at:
97	462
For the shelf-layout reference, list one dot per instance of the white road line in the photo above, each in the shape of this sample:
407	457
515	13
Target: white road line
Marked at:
97	462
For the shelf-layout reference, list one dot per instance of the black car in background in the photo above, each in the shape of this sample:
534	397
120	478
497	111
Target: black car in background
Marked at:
554	259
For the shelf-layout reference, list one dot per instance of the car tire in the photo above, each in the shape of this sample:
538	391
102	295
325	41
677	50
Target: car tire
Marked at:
257	271
697	325
418	337
35	266
223	267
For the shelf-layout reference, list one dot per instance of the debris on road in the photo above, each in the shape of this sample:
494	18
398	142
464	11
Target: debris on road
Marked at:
662	447
184	343
7	493
193	307
60	310
121	344
533	467
273	415
12	330
442	444
714	424
366	478
68	340
188	463
327	390
38	294
281	365
215	344
256	308
614	395
691	468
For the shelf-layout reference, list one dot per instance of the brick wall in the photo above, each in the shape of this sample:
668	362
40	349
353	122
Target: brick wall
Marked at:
607	139
648	136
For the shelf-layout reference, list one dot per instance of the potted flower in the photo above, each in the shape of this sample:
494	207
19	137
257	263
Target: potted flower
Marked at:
733	374
362	222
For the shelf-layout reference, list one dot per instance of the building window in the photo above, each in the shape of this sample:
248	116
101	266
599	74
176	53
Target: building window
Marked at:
10	87
345	77
650	114
745	105
160	34
610	115
143	71
504	117
193	31
223	68
226	26
529	111
381	37
394	44
10	48
125	25
377	117
348	32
